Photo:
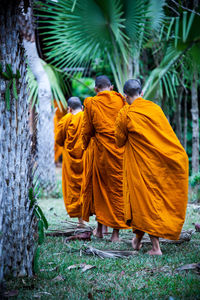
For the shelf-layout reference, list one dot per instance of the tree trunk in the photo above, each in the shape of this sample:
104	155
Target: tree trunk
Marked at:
185	124
45	124
17	221
195	125
178	114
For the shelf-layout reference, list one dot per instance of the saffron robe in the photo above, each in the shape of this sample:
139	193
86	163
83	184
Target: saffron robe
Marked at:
57	117
99	122
155	172
68	135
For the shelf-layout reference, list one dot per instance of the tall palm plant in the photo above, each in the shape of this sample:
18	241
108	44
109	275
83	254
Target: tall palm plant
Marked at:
78	32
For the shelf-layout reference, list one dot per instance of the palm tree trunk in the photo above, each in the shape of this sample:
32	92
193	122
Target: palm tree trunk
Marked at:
185	124
178	115
195	125
17	221
45	124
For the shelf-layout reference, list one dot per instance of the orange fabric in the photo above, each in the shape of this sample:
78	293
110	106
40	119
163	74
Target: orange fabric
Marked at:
99	120
86	189
57	117
68	135
155	170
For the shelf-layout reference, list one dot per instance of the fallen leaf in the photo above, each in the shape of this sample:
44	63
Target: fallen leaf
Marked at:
51	208
189	267
83	266
88	267
55	214
197	227
49	270
11	293
58	278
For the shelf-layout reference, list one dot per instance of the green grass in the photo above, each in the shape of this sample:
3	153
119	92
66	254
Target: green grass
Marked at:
139	277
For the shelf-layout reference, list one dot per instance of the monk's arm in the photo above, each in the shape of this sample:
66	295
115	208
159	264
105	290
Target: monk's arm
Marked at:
60	134
121	131
87	127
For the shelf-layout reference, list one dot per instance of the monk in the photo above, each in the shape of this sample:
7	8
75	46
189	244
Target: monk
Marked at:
59	113
68	135
155	172
98	125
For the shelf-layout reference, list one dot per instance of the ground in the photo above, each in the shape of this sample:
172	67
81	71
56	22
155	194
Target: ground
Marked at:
139	277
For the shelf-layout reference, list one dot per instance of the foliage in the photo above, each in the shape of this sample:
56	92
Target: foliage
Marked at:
12	78
82	87
42	223
195	179
110	29
57	82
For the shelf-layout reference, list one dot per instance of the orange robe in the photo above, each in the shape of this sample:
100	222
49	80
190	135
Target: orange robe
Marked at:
155	170
57	117
87	200
99	120
68	135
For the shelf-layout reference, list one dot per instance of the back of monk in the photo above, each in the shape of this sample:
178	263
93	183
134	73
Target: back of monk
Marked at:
99	120
155	170
69	136
57	117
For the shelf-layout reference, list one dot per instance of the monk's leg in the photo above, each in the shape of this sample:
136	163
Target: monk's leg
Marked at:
115	235
81	223
155	246
105	229
98	231
136	242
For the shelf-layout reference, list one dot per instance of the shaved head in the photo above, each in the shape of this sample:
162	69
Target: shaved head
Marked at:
132	87
74	103
102	82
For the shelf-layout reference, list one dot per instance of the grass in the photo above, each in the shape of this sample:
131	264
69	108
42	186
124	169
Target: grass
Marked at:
139	277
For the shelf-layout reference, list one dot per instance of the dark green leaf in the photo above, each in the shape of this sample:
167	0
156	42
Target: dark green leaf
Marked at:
15	89
9	71
7	95
40	232
5	75
17	74
46	225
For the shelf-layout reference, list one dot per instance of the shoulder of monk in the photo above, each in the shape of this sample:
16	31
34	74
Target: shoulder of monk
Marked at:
87	100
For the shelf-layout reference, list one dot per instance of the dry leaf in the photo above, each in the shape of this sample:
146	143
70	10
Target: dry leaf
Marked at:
11	293
83	266
109	253
189	267
58	278
49	270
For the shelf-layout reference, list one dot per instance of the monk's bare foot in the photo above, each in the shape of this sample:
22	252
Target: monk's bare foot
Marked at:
115	236
81	223
136	244
104	229
155	246
155	252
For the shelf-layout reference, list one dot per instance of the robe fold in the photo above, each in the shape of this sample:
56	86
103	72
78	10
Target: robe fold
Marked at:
98	124
68	135
155	172
57	117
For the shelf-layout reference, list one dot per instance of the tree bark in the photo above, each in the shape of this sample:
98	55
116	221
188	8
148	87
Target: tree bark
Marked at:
195	124
45	124
17	221
185	124
178	115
